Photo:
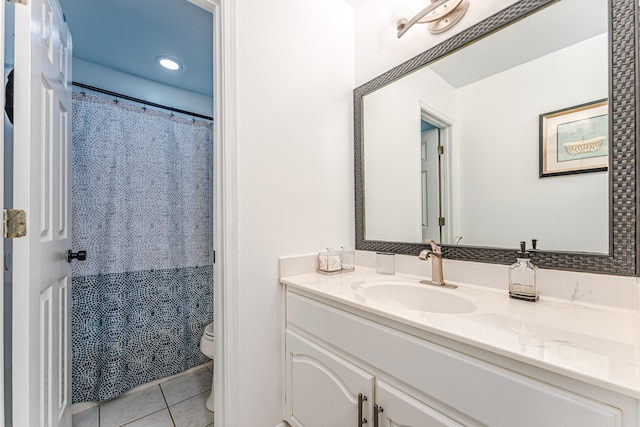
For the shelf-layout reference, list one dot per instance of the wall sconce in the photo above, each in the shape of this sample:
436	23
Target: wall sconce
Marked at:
440	15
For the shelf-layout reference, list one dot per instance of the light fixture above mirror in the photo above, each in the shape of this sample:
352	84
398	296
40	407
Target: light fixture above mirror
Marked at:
440	15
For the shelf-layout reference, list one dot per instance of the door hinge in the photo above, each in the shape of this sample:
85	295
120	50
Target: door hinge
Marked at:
214	257
15	223
441	221
440	150
18	1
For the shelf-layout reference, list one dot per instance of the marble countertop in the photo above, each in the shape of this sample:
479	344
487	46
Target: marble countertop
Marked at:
595	344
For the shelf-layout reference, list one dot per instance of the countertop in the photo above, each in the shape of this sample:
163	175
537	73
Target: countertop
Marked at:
595	344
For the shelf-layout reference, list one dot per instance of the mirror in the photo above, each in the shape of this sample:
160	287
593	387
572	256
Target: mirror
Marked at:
481	106
515	129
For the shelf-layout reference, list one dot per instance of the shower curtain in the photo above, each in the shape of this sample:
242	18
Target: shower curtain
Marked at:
142	209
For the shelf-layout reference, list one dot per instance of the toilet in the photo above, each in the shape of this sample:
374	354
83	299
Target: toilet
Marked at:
208	348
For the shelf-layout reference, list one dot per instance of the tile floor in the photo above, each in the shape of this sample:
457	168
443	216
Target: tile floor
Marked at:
176	402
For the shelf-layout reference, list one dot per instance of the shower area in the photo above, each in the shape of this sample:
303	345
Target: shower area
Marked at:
143	211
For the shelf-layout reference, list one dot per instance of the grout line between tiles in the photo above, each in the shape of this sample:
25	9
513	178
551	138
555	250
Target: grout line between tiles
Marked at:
186	398
138	419
167	405
159	384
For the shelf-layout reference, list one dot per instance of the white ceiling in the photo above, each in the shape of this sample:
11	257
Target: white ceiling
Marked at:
128	35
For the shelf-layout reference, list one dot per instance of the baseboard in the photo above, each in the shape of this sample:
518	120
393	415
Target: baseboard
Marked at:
80	407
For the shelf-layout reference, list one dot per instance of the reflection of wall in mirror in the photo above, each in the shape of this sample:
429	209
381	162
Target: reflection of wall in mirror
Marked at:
499	155
392	167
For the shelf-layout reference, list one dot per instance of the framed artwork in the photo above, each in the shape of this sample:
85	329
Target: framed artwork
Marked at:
575	140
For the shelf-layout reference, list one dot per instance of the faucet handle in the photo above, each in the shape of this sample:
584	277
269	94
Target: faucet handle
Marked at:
424	254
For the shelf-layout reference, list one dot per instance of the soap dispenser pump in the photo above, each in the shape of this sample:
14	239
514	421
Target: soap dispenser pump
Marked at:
522	277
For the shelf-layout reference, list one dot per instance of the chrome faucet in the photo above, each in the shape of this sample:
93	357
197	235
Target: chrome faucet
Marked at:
435	253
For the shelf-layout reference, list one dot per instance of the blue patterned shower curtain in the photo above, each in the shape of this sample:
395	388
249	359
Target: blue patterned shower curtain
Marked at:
142	209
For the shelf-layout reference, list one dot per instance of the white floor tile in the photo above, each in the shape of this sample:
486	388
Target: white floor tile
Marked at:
157	419
86	418
186	386
192	412
131	407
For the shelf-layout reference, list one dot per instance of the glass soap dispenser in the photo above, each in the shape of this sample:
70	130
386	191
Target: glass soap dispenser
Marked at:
522	277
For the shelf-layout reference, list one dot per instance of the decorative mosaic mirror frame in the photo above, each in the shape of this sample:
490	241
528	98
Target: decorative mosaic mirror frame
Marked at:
622	258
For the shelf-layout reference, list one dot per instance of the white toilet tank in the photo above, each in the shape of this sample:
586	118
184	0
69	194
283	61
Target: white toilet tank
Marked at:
207	342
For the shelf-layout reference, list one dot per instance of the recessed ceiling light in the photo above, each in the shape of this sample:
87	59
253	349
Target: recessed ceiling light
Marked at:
168	63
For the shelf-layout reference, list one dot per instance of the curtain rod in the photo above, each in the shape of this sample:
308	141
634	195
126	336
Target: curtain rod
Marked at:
140	101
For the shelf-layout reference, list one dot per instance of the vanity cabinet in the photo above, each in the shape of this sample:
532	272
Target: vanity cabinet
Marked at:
326	390
396	408
334	352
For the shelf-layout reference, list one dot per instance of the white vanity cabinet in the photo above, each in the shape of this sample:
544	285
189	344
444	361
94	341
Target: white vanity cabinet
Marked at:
335	352
396	408
324	389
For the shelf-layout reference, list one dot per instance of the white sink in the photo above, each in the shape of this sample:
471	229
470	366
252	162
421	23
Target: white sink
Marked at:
418	297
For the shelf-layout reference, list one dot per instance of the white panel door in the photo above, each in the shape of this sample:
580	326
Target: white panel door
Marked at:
322	388
400	409
42	275
3	17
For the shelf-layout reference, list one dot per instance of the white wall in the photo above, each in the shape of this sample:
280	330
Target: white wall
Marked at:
295	76
498	167
107	78
391	127
297	67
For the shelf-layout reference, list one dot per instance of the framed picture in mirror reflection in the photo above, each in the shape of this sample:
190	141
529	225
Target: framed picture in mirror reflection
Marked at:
575	139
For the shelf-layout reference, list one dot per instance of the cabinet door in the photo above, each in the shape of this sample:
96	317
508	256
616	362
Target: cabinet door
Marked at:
400	409
322	388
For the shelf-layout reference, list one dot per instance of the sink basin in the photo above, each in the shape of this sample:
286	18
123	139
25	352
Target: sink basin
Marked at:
418	297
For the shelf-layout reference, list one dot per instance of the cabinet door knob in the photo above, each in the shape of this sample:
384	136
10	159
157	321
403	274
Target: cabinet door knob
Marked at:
80	255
